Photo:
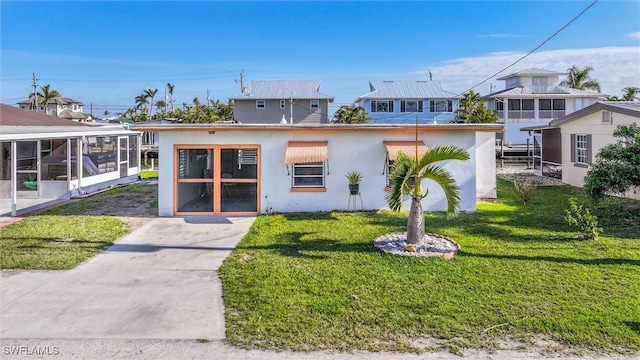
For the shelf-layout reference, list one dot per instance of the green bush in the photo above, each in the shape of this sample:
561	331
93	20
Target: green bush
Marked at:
579	216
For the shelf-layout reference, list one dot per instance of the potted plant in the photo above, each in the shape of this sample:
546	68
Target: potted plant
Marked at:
354	179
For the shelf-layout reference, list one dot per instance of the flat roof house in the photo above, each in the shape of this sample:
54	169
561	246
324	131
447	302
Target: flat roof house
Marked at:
47	159
401	102
248	169
269	102
566	147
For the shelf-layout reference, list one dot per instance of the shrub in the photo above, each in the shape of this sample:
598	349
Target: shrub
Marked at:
524	190
579	216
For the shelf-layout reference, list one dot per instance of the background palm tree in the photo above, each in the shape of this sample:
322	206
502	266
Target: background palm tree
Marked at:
406	180
141	103
170	88
351	115
45	95
579	79
631	93
471	109
150	94
161	104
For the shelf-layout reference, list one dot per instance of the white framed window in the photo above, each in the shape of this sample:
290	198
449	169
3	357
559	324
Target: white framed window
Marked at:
283	104
308	175
440	106
582	144
540	81
75	107
314	104
260	104
411	106
389	168
383	106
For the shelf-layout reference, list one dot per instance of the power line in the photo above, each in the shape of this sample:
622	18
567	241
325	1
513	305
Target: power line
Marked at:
536	48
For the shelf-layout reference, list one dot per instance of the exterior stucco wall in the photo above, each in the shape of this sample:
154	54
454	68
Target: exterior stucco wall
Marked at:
353	150
601	135
245	111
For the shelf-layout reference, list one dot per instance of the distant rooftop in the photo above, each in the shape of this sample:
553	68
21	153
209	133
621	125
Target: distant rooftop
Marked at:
56	100
532	72
14	116
539	91
283	89
406	89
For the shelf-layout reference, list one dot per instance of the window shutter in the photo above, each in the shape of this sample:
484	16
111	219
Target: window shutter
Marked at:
373	106
391	105
402	106
573	147
420	106
606	117
432	106
589	146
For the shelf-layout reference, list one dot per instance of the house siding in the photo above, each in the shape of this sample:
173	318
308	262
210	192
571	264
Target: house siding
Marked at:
600	135
398	117
245	111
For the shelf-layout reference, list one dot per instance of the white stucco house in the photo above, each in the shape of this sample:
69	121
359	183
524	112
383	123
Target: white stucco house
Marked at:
566	147
47	159
533	97
402	101
249	169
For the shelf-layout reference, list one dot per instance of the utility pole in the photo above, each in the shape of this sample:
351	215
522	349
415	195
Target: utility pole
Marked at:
242	88
35	92
291	110
208	100
91	105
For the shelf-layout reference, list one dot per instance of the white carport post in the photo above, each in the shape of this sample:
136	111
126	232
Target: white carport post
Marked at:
14	181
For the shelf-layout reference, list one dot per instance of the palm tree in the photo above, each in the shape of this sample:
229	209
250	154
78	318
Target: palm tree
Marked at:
170	88
150	94
161	104
141	102
196	102
631	93
579	79
351	115
406	180
45	96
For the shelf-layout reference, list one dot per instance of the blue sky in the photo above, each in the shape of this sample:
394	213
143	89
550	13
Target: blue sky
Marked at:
106	53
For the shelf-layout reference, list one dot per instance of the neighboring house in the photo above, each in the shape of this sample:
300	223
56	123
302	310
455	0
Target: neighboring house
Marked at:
47	159
533	97
566	147
269	102
401	102
58	106
249	169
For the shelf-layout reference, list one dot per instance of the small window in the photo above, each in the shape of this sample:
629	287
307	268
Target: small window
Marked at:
75	107
389	168
514	104
283	104
314	104
527	104
308	175
411	106
606	117
581	148
384	106
260	104
545	104
558	104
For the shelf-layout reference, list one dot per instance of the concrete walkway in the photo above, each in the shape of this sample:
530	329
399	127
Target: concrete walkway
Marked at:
159	282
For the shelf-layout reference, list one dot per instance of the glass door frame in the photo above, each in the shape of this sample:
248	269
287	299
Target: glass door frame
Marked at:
216	179
537	154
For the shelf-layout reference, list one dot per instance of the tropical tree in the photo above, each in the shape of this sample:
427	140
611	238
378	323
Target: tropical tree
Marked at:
150	94
161	104
223	111
170	88
615	170
45	95
613	98
351	115
631	93
579	79
406	179
106	113
141	103
472	110
196	102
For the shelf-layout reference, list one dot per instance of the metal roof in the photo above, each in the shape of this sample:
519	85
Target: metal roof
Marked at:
14	116
550	92
624	107
283	89
8	133
532	72
407	89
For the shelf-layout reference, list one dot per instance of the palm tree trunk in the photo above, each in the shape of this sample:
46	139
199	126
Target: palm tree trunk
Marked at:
415	224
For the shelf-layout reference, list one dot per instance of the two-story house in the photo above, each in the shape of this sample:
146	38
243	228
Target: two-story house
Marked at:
271	102
73	109
533	97
393	102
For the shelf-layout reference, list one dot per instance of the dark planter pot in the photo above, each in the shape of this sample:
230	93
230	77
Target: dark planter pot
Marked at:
354	189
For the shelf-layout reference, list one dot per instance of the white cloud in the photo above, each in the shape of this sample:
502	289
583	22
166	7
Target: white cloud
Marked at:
614	67
634	35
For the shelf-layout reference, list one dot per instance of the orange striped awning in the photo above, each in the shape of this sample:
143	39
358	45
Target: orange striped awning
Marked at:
304	152
405	147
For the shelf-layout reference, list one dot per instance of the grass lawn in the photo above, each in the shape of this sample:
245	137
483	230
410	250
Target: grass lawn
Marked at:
313	281
63	237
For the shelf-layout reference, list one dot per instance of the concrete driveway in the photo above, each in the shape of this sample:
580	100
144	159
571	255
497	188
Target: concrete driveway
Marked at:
159	282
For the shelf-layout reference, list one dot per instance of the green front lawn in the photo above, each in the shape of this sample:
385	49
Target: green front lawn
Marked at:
314	281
